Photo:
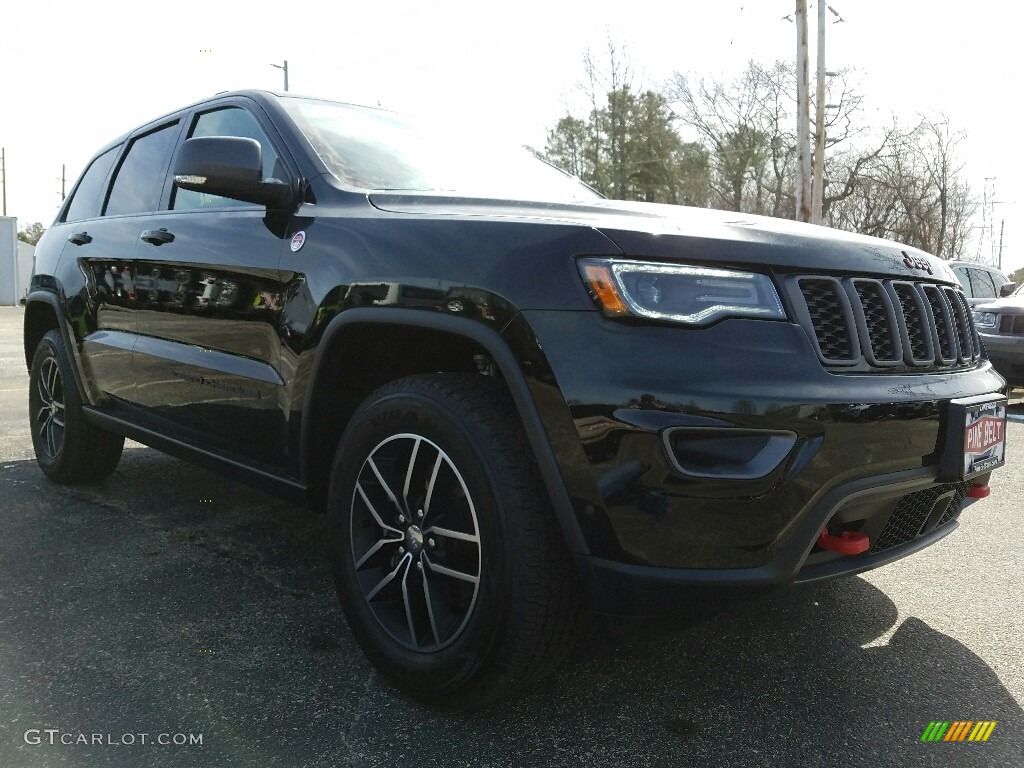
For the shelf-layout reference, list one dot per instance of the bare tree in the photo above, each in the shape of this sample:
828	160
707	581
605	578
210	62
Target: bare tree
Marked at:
897	183
911	189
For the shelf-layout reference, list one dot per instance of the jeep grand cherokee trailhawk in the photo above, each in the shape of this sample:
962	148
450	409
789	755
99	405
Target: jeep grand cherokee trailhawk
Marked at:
512	396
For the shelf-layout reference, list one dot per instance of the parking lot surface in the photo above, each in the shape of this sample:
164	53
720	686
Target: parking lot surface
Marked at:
170	602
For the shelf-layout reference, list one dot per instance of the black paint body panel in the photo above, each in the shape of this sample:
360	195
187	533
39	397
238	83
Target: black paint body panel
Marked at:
215	344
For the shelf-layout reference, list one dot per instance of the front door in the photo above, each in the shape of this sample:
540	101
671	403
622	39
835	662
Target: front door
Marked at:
209	293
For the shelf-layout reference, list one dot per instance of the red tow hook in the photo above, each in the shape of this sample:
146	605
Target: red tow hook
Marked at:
978	491
847	543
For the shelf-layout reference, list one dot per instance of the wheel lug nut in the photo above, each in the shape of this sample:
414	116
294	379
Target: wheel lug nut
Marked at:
401	518
431	543
419	513
419	564
401	550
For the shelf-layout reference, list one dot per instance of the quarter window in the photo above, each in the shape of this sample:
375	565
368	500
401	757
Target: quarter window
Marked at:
231	121
88	196
140	179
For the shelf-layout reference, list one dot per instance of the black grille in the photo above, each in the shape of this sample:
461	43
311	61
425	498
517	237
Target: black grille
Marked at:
940	320
916	327
825	308
1012	324
953	510
964	331
879	326
887	325
910	516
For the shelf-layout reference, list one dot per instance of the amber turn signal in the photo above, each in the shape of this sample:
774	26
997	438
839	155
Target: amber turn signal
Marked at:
602	286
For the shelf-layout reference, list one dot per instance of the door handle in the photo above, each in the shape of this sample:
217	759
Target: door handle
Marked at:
156	236
80	238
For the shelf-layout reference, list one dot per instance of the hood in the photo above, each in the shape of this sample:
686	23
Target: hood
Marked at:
701	235
1010	305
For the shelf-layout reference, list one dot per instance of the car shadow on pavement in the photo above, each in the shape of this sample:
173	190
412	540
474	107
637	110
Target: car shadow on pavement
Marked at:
168	596
793	680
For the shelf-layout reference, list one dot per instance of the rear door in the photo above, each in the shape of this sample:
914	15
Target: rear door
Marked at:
103	229
208	356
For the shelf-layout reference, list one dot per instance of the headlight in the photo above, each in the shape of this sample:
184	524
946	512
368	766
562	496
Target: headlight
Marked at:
679	293
984	319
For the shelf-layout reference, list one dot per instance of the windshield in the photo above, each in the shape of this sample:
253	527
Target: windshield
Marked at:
373	149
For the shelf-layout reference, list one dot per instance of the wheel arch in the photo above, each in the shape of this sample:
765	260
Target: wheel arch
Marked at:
44	312
333	395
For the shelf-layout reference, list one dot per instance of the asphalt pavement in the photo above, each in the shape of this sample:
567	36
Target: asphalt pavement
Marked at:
170	605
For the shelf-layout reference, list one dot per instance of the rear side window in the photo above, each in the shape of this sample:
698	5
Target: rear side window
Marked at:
88	196
140	179
981	281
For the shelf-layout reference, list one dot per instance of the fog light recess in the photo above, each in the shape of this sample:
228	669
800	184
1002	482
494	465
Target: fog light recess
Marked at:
727	454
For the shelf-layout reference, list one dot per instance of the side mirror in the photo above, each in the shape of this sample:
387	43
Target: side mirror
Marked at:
228	166
1007	289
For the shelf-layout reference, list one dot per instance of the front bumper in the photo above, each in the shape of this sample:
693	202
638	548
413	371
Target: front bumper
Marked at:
904	512
616	388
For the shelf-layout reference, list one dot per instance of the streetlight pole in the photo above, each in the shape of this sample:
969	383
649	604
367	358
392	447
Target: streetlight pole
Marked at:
817	187
803	118
285	68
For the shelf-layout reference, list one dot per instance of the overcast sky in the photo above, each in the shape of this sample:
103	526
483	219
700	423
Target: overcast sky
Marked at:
75	75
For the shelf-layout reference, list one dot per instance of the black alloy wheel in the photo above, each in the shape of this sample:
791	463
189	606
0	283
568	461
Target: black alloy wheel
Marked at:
68	448
415	542
446	556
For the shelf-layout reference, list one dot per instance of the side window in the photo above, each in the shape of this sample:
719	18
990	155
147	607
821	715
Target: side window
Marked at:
982	283
88	195
140	179
965	280
230	121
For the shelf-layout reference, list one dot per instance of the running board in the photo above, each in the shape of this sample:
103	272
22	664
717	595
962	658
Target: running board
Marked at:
283	487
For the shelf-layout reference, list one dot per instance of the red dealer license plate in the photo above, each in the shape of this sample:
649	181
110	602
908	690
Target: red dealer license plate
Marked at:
984	437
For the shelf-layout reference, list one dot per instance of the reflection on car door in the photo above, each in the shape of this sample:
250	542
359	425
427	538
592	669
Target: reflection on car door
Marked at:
104	248
209	296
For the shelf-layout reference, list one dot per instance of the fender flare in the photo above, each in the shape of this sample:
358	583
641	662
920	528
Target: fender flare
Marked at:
42	296
502	355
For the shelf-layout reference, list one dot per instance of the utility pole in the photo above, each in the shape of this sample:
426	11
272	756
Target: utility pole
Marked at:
818	186
3	178
285	68
1002	226
803	118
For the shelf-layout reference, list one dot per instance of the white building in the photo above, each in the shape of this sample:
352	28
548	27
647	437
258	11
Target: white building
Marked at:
16	261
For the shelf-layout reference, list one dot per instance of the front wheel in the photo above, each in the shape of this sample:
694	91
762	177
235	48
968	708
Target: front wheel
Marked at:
448	564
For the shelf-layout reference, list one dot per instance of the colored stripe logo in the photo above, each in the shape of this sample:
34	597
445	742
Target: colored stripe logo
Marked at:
958	730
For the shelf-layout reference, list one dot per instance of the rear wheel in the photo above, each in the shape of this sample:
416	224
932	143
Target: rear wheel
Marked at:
68	448
447	562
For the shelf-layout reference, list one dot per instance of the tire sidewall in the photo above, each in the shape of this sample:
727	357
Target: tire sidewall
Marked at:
51	346
429	673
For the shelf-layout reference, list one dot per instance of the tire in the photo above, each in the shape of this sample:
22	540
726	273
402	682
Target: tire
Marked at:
448	564
68	448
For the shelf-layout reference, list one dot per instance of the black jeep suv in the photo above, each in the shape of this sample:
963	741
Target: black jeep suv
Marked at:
512	396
